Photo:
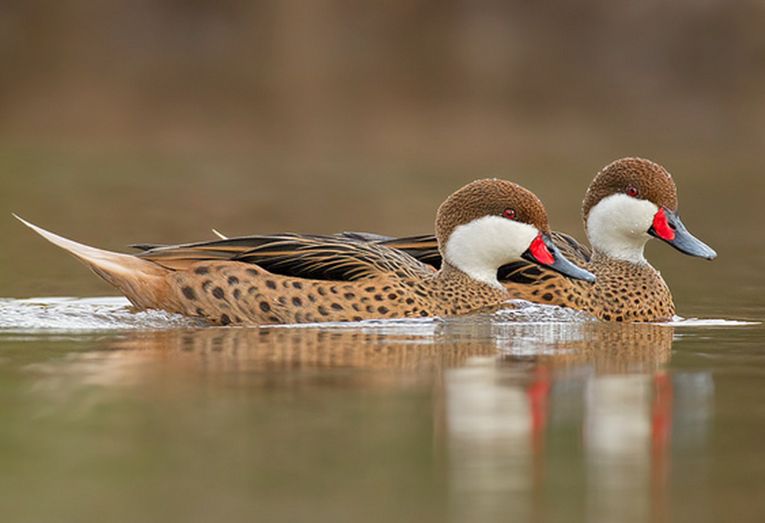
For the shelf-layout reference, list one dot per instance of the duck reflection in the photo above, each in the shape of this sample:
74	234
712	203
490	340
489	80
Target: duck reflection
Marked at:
601	395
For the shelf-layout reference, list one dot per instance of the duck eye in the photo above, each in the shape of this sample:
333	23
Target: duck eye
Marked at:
509	214
632	191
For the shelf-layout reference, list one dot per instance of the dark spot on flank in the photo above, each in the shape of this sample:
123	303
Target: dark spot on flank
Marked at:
607	317
386	288
274	319
218	293
225	320
547	296
202	270
382	310
200	312
297	301
271	284
423	313
264	306
378	297
297	285
619	318
233	280
237	294
206	285
286	284
322	291
253	272
409	301
333	289
311	298
323	310
349	295
337	306
252	290
357	318
369	289
283	300
392	296
189	293
356	307
370	308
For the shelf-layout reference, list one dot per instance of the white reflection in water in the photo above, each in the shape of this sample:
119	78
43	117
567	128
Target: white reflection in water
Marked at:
605	384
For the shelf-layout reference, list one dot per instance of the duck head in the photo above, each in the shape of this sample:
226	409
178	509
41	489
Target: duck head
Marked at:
631	200
489	223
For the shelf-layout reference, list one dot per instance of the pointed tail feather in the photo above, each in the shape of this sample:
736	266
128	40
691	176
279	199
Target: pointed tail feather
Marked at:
144	283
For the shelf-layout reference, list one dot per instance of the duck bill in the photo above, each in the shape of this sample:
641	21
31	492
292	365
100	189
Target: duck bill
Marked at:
544	252
668	227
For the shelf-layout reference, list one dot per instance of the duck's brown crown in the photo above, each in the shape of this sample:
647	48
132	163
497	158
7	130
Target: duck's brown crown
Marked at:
489	197
651	181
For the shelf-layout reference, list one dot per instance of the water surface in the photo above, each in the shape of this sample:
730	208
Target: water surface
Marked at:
535	415
111	415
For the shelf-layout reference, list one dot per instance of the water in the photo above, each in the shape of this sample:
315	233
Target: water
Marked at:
533	414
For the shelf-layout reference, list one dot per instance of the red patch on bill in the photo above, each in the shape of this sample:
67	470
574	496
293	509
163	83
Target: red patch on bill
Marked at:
540	252
661	226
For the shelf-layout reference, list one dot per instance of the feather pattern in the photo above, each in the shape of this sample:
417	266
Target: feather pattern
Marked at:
303	256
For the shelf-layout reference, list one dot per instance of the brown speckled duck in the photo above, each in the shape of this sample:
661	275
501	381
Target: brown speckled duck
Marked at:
479	228
628	202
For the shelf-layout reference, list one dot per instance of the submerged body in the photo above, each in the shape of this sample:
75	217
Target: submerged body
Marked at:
235	292
480	227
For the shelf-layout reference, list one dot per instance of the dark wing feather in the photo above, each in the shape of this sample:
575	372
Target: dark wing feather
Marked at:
424	248
301	256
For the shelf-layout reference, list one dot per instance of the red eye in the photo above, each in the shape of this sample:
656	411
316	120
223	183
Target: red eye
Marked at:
509	214
632	191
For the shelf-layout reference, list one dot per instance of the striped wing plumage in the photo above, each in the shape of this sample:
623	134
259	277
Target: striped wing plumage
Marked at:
335	258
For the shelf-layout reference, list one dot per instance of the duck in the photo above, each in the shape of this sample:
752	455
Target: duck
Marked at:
479	228
630	201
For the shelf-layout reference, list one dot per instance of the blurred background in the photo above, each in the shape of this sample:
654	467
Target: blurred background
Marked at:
126	121
156	120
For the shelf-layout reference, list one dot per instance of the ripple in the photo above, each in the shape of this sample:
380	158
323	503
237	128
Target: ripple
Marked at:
678	321
84	314
70	314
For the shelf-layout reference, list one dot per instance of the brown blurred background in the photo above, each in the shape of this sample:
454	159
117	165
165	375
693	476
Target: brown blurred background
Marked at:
125	121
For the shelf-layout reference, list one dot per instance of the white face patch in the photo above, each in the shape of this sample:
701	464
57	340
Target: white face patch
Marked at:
480	247
618	226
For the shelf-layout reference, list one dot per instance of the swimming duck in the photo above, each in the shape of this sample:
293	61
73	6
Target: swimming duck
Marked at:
629	201
479	228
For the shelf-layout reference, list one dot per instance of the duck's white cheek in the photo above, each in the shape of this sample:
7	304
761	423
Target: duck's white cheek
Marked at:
480	247
618	225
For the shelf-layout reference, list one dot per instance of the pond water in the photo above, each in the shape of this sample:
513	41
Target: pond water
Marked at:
538	415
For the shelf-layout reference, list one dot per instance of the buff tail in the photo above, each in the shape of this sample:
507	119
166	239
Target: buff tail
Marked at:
144	283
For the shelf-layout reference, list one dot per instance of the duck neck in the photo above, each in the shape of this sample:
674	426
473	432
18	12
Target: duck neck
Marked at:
615	264
484	292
